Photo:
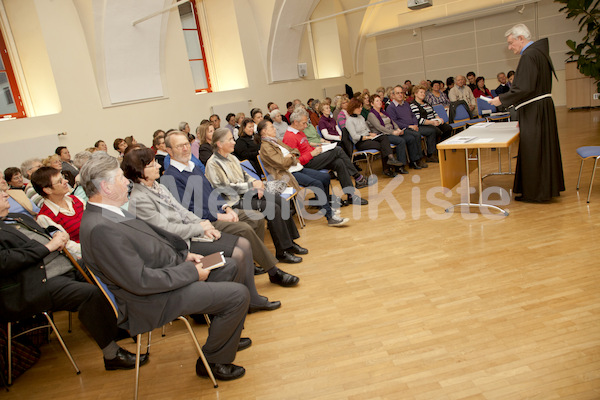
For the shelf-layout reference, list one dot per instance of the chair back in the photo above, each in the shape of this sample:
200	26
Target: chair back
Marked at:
441	112
461	113
247	166
106	292
484	105
264	170
493	92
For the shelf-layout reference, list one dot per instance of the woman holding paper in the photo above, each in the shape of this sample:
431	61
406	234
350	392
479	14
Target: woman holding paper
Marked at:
281	161
154	203
365	140
225	173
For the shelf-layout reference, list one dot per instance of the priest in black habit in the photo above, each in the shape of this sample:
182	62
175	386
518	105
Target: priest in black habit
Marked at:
539	174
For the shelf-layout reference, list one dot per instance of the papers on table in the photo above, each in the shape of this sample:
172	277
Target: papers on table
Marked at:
488	99
481	125
462	139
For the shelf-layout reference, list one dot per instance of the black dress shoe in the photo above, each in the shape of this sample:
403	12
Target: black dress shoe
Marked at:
268	306
258	270
289	258
357	200
222	372
245	342
402	170
415	165
297	249
390	173
284	279
124	360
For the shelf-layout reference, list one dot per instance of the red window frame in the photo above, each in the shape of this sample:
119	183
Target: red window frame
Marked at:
12	82
201	42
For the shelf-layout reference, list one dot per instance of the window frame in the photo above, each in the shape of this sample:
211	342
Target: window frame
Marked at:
12	82
208	89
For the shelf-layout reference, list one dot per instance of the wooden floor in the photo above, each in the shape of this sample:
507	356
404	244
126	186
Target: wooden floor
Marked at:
405	303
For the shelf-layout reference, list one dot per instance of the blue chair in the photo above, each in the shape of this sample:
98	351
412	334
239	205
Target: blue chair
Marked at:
495	116
113	302
493	92
368	154
462	115
585	153
441	111
286	196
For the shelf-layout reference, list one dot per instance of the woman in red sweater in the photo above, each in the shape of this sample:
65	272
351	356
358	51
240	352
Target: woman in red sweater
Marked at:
481	90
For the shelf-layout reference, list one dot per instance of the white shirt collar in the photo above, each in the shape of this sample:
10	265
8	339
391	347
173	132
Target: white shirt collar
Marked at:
292	129
55	208
183	167
161	153
109	207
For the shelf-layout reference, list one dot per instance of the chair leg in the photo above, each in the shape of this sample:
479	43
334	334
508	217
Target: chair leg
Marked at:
62	343
299	213
9	356
580	169
207	319
592	179
199	349
70	321
138	348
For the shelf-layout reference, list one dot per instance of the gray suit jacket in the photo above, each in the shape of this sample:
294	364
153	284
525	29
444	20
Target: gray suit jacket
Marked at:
141	264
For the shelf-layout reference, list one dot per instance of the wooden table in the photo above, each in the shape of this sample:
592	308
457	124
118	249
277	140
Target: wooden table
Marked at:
454	164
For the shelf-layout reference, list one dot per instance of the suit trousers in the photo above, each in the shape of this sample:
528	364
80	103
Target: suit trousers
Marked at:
226	301
254	231
431	133
70	292
413	144
380	143
338	161
400	143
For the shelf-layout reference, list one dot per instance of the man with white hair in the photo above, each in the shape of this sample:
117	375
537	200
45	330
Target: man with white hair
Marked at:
151	273
462	92
539	174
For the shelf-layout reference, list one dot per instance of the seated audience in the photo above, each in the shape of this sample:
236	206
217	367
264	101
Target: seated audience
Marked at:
153	276
366	105
342	109
363	139
436	96
18	200
14	178
281	161
225	172
428	118
205	132
28	167
186	182
215	120
400	112
245	147
100	145
471	80
314	158
239	117
449	85
37	276
313	112
79	160
257	116
161	152
55	162
153	203
380	122
462	92
425	127
408	92
61	210
67	164
120	145
290	109
481	90
184	127
279	124
230	122
503	87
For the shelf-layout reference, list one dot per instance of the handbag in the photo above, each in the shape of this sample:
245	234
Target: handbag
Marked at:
275	187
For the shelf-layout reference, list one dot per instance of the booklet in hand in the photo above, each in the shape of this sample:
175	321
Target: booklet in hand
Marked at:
212	261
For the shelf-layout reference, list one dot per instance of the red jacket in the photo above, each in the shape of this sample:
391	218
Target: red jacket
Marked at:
300	142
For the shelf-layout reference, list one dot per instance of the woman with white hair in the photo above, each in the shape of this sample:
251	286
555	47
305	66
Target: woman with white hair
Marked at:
280	125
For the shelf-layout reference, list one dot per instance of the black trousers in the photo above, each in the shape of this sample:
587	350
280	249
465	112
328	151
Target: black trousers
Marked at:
70	292
413	144
281	226
338	161
380	143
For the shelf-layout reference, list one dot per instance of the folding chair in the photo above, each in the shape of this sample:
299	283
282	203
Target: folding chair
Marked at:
111	299
585	153
441	111
286	196
462	115
493	115
10	337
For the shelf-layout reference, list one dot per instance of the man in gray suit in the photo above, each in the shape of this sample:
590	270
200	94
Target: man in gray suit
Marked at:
151	273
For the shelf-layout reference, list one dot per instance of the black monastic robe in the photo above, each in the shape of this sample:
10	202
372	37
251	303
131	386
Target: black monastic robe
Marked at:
539	173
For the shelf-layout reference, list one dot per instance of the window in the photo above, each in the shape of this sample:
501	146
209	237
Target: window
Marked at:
10	98
195	47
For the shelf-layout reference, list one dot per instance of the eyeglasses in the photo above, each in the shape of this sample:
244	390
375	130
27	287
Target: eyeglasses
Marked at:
153	164
59	182
182	146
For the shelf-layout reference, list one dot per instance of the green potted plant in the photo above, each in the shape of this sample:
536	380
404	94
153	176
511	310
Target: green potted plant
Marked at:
586	53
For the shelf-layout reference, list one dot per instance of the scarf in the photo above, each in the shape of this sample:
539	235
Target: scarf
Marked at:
379	116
